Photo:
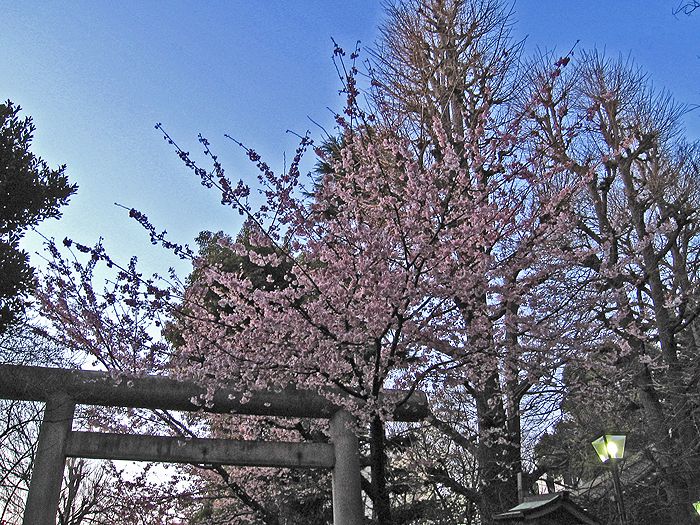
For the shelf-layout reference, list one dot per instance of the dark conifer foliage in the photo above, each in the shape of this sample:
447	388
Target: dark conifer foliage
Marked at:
30	192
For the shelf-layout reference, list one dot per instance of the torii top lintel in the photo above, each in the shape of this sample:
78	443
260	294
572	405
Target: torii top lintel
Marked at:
33	383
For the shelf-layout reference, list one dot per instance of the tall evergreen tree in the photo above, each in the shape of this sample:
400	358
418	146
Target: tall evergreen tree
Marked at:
30	192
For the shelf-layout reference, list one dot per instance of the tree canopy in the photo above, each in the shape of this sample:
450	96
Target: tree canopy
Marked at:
516	235
30	192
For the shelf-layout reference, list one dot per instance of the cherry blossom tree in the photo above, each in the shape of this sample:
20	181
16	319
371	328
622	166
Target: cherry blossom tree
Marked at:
476	228
426	251
429	251
254	494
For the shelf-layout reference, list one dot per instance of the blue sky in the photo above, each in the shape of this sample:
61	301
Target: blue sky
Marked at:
96	76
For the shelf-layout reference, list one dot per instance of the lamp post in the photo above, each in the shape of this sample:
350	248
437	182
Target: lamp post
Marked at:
611	449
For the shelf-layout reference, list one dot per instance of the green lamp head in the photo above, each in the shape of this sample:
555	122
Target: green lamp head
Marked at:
610	446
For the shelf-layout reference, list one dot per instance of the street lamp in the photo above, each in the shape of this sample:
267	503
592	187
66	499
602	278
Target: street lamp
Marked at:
611	449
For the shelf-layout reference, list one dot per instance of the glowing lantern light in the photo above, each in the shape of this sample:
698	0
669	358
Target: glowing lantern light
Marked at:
610	446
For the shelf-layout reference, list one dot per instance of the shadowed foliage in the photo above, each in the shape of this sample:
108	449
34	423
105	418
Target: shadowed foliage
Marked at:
30	192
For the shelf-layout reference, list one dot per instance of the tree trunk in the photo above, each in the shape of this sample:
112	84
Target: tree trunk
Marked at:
381	502
496	453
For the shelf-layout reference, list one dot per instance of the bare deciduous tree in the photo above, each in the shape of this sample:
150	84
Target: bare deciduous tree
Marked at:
639	222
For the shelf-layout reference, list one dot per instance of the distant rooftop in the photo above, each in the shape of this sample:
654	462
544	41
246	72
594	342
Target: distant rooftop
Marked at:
547	509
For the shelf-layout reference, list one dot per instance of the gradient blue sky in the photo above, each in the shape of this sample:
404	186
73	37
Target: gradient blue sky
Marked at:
96	76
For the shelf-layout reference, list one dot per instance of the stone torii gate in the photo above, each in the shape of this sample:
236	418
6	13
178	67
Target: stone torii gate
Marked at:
63	389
